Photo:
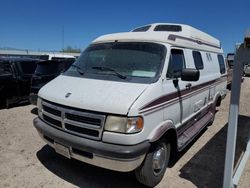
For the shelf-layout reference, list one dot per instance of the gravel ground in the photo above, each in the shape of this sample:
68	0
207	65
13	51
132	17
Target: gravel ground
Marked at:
26	161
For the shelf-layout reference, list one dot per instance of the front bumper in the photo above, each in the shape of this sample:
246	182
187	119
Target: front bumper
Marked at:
105	155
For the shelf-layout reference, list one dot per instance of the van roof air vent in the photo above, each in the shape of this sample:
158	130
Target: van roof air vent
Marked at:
172	28
142	29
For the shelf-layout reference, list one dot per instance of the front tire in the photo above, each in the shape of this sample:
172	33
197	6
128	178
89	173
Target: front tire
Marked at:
152	170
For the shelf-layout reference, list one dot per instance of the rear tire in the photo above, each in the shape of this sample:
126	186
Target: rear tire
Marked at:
152	170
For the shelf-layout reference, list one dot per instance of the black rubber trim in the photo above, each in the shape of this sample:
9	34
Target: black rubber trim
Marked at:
92	146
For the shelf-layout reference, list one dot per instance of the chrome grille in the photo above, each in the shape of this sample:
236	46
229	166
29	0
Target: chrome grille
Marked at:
84	124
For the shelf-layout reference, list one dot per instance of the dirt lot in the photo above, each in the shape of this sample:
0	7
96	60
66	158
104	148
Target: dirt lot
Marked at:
26	161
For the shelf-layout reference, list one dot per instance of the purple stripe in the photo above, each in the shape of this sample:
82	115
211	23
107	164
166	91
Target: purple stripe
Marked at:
186	93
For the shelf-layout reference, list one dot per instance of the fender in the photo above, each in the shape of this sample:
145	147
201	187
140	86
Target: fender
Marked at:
160	130
216	97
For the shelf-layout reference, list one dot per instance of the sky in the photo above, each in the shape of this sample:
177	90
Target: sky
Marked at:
54	24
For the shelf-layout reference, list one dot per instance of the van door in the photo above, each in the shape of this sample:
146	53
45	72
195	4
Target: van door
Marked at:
201	89
177	105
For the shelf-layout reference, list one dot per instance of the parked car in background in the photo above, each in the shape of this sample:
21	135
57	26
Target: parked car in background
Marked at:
54	56
45	72
230	60
247	70
15	79
230	64
229	75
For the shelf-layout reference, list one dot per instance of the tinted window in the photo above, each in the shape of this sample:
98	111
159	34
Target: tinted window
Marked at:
221	64
198	60
28	67
173	28
44	57
62	58
53	66
176	63
141	29
5	68
46	68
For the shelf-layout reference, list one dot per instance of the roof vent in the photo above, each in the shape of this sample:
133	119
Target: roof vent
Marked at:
172	28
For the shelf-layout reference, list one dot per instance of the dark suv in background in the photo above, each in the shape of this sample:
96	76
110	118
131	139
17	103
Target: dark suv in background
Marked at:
15	79
45	72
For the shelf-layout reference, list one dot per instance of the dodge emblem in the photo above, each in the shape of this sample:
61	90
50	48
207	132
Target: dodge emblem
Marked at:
67	95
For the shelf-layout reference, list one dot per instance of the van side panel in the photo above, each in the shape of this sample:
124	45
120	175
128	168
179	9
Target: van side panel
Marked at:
173	103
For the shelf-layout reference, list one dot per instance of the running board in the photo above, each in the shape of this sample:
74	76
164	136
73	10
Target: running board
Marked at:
188	135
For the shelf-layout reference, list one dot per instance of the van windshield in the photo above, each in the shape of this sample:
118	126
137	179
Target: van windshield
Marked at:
120	61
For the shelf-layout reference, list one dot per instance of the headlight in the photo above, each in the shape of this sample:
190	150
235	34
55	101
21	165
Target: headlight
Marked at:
39	106
124	124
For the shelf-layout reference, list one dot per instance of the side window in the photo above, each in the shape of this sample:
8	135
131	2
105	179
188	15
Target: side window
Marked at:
198	60
5	68
176	63
221	64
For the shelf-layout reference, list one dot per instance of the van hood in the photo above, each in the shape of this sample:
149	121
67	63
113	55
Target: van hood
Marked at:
92	94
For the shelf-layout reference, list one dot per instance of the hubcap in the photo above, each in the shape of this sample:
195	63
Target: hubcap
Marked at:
159	159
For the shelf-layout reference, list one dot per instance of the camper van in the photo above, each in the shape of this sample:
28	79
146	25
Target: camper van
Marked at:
134	99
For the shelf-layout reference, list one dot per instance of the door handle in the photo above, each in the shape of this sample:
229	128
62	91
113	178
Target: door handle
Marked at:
189	85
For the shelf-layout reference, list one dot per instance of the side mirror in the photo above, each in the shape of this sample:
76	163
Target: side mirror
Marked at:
190	75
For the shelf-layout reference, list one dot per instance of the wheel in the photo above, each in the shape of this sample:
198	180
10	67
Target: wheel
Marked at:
155	163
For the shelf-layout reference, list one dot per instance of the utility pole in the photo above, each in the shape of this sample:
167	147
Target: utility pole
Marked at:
63	39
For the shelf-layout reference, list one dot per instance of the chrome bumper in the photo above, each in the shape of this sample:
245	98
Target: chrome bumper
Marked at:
101	161
115	157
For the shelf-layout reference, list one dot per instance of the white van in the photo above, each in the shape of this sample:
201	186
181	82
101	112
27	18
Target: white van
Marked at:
131	100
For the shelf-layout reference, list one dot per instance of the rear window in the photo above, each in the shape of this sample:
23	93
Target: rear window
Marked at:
62	58
221	64
198	60
47	68
28	67
52	67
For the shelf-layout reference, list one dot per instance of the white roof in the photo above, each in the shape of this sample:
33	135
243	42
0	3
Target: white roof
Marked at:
59	55
188	36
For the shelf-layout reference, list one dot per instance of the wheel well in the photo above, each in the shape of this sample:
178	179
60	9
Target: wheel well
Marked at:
218	101
170	136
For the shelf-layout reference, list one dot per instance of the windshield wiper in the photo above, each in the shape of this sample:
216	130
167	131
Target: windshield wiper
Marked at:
110	69
79	69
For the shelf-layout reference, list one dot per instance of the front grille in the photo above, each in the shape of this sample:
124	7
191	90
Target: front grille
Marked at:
83	119
81	130
52	111
52	121
73	121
